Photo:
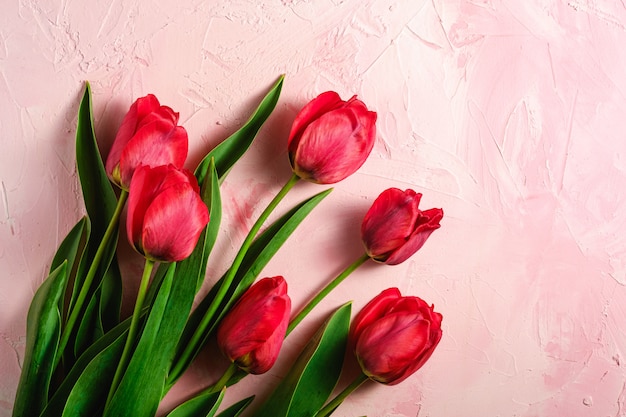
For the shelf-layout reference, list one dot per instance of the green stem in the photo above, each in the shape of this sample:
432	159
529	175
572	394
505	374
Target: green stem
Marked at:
336	402
132	331
221	383
91	273
324	292
198	335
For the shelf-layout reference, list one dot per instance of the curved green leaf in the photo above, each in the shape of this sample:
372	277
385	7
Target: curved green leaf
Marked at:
89	393
147	370
203	405
111	296
311	380
236	409
70	247
210	192
42	338
71	250
98	361
98	195
258	255
100	203
100	200
235	146
90	327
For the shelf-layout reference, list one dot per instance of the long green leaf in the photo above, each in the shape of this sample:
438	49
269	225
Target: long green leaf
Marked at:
100	200
203	405
100	203
102	312
151	360
210	192
111	296
236	409
259	254
98	361
311	380
89	393
42	339
235	146
69	249
90	327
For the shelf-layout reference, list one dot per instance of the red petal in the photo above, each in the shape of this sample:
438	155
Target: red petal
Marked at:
375	309
136	206
144	187
428	222
159	143
333	147
317	107
389	222
163	114
138	110
255	327
390	347
173	223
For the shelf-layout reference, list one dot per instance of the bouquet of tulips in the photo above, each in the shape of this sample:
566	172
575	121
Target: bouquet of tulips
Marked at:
83	359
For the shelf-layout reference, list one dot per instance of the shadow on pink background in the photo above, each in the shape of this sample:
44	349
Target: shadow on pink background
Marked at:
508	114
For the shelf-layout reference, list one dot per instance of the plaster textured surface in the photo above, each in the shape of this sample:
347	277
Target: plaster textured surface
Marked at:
507	114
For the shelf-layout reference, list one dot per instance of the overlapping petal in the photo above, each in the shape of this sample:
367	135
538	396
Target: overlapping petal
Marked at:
393	336
252	333
149	135
165	213
394	228
330	138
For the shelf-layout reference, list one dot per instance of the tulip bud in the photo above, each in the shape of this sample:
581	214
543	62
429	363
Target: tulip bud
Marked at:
330	138
393	336
149	135
252	333
165	213
394	228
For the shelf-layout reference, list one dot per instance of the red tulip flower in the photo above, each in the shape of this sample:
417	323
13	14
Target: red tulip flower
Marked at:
394	228
149	135
393	336
165	213
252	333
330	138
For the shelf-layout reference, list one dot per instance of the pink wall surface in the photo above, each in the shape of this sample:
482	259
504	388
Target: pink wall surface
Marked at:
507	114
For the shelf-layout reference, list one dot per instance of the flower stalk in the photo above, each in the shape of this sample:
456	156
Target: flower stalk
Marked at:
336	402
324	292
91	273
199	333
132	331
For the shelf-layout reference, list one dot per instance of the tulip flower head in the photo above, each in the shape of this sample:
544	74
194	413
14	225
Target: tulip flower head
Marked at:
330	138
149	135
252	333
393	336
165	213
394	228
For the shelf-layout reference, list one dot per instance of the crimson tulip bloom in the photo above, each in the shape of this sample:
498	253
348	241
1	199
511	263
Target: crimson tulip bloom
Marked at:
252	333
393	336
394	228
149	135
165	213
330	138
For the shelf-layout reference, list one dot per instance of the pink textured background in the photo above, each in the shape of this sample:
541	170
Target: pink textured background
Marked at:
508	114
